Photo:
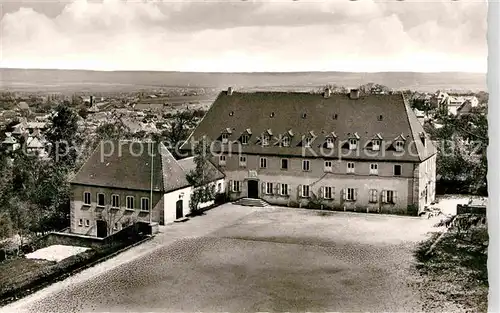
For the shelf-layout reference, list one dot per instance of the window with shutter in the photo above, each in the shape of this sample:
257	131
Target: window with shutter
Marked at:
263	188
300	191
263	163
284	189
321	192
344	194
350	167
277	189
384	196
306	191
243	161
100	200
328	166
355	194
373	195
86	198
269	188
351	194
222	160
231	189
305	165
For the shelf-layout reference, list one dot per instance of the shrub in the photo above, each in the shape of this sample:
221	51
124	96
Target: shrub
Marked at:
412	210
221	198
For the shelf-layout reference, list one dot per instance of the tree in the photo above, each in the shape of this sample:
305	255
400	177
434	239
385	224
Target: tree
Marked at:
373	88
83	112
62	136
333	89
462	151
201	178
180	128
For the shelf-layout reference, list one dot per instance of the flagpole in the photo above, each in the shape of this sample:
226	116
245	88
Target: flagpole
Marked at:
151	191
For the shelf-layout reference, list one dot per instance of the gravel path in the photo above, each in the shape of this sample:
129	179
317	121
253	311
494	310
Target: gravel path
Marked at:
247	260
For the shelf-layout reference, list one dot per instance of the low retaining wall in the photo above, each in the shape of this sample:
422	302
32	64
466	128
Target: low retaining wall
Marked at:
130	233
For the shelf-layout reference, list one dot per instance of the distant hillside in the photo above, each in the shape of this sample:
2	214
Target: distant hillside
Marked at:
77	80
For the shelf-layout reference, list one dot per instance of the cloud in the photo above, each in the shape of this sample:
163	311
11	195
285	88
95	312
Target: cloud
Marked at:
249	36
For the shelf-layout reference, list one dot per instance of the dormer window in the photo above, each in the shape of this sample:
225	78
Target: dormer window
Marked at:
329	143
330	140
266	137
399	145
244	139
376	144
285	141
265	140
225	135
353	144
308	141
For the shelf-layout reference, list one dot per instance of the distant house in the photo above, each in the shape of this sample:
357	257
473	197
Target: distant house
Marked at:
10	143
34	144
454	103
20	129
113	188
142	106
465	109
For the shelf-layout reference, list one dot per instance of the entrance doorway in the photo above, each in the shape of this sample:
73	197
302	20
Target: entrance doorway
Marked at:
178	210
253	189
102	229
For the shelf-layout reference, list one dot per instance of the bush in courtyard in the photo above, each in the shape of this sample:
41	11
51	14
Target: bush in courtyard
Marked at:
412	210
221	198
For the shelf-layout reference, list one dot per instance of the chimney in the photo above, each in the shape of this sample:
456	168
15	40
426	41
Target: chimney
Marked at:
354	94
229	91
327	92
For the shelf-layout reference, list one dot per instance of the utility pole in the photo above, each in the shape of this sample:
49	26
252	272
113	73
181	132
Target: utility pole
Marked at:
151	191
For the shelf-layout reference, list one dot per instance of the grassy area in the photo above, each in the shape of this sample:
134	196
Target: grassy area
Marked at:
13	271
456	270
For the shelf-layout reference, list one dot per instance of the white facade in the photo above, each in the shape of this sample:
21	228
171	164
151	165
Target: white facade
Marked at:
184	195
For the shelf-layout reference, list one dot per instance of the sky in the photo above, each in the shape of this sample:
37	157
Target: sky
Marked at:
246	36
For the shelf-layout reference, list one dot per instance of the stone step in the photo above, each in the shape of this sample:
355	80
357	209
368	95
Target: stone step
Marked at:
252	202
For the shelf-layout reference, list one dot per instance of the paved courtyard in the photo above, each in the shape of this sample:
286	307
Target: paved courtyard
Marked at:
243	259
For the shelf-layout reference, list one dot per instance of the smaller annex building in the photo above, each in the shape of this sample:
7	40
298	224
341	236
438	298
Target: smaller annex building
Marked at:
123	182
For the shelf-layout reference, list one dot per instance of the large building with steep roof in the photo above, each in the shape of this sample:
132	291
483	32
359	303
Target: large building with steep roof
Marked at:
125	181
342	151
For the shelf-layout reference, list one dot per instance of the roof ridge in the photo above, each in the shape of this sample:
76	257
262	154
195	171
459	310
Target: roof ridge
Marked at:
163	182
412	129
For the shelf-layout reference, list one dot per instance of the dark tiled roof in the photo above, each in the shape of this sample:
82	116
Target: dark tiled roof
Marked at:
188	164
127	164
465	108
367	116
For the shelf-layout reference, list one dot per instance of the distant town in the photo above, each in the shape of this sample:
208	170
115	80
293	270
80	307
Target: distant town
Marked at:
63	206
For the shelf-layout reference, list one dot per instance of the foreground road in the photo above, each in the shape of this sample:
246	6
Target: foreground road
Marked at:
240	259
